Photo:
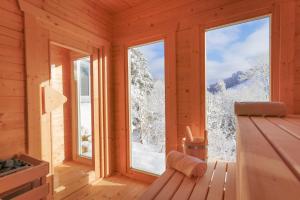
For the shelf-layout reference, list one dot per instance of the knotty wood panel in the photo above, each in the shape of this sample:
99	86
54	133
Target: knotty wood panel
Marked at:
83	13
158	17
61	117
12	84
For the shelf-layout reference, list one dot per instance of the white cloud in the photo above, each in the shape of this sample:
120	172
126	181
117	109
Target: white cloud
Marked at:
238	54
154	53
218	39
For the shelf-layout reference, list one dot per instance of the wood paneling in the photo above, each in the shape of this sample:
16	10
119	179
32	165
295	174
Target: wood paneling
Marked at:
115	6
12	84
87	19
82	13
186	18
61	131
297	61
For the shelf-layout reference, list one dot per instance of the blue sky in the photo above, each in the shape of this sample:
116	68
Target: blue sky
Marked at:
236	47
154	53
228	49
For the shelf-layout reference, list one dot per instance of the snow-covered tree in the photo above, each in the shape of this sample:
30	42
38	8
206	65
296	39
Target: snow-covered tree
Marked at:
141	86
251	85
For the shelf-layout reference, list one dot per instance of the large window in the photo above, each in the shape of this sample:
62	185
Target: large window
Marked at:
237	69
84	107
147	107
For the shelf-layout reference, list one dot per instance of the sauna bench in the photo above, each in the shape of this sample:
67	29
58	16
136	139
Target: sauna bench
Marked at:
268	158
176	186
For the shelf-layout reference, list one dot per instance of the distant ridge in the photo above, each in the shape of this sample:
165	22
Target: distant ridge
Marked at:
236	79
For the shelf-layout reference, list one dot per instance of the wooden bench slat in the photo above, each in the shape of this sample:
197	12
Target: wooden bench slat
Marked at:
286	125
171	187
157	185
230	185
295	120
185	189
261	172
216	189
202	186
285	144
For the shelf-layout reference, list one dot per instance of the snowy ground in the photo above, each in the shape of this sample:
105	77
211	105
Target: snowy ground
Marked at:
86	125
144	158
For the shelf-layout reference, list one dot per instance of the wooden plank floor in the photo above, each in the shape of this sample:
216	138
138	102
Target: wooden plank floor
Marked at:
70	177
113	188
74	181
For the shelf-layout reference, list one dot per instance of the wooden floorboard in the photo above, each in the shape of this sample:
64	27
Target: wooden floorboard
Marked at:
112	188
70	177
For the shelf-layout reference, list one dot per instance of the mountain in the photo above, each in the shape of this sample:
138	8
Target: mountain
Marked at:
237	78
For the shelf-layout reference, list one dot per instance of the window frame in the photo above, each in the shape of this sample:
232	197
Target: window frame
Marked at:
170	102
200	57
233	22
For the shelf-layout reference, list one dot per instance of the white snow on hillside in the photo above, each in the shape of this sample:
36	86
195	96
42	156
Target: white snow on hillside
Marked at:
221	121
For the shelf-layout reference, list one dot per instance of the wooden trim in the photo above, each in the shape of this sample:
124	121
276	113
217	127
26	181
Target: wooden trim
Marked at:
95	110
75	148
38	76
170	98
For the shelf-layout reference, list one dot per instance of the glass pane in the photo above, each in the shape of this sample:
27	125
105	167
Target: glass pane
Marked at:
237	69
147	107
84	107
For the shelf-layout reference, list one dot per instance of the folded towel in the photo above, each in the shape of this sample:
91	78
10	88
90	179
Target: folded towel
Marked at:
275	109
188	165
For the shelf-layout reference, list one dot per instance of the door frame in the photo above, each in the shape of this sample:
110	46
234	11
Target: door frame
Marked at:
39	34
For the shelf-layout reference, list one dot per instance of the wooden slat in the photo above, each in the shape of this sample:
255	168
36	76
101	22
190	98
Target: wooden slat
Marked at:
201	188
285	144
294	120
34	194
261	172
172	186
216	189
185	190
289	127
230	185
157	185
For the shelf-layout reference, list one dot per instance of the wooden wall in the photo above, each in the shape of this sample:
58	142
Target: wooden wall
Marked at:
61	122
297	60
81	13
12	80
184	17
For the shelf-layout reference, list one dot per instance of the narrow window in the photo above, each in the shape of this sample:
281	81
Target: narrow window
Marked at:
237	69
147	107
84	107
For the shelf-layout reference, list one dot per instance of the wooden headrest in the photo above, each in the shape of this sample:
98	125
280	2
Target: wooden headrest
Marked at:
275	109
188	165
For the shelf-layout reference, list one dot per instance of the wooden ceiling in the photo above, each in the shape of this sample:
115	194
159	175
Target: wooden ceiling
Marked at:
115	6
